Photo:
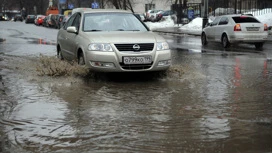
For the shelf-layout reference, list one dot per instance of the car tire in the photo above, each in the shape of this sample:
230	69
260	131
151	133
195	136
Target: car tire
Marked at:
204	39
225	41
81	60
59	55
259	46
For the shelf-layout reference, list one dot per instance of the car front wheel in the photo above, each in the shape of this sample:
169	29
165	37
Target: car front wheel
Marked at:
204	39
81	60
225	41
59	55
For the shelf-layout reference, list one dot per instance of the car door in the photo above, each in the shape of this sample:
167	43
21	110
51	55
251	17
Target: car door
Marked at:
220	28
71	38
63	37
210	30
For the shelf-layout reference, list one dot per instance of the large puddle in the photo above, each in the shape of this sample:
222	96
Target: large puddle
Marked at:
206	103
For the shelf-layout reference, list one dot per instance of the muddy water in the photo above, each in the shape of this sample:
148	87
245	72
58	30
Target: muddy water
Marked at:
209	102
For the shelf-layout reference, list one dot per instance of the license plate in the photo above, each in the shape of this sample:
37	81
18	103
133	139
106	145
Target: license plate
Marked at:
137	60
252	28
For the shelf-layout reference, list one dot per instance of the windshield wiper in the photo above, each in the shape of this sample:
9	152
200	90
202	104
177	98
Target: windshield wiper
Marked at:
133	30
126	30
93	30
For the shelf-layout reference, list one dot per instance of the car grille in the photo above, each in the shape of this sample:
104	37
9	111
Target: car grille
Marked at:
135	66
131	47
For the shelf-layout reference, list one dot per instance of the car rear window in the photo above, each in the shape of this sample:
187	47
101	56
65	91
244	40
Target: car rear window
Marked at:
245	19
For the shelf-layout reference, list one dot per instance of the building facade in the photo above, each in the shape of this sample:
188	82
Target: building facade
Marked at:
142	6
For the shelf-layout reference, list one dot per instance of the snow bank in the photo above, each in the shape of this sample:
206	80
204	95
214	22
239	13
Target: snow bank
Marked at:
164	23
266	18
193	27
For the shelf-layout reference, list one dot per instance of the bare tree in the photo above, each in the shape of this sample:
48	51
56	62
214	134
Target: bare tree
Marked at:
122	4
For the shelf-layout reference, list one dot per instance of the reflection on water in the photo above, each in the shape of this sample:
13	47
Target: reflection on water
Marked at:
40	41
221	104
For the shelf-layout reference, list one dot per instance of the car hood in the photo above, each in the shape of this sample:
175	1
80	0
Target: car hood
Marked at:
123	37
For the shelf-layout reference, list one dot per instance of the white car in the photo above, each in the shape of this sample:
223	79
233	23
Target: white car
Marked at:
151	15
229	29
112	41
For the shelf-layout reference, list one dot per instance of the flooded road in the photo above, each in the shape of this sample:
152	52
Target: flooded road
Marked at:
209	102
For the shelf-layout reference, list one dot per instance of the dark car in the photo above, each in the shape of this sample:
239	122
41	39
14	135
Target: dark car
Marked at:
3	17
65	19
45	23
57	21
18	17
30	19
51	21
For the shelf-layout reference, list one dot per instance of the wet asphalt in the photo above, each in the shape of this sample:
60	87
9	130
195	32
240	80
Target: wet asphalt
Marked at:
213	100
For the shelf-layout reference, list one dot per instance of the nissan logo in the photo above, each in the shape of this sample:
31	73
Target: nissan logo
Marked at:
136	47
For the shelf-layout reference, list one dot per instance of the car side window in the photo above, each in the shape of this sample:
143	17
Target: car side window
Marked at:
69	22
76	22
223	21
215	21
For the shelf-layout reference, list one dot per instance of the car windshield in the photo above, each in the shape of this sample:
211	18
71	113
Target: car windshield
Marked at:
245	19
111	22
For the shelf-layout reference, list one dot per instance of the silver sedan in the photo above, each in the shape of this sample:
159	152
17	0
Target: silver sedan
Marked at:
112	41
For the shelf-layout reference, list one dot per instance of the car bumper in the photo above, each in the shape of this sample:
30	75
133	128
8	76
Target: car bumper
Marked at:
113	61
248	38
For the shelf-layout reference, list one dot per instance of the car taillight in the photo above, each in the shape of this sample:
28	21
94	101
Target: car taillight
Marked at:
237	27
265	27
147	14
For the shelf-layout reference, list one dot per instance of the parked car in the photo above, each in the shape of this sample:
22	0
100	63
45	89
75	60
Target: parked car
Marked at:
18	17
140	16
112	41
30	19
164	14
3	17
229	29
65	19
57	21
51	20
45	23
39	19
270	30
150	15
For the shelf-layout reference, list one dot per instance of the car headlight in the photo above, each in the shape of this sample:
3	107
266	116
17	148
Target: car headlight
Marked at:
162	46
100	47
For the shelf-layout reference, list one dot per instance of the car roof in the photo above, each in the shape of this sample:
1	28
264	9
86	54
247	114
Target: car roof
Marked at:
234	15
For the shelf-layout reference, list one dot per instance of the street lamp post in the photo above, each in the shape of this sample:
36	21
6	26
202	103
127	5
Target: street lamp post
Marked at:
205	17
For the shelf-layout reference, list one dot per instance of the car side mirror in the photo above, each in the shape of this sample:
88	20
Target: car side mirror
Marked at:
72	30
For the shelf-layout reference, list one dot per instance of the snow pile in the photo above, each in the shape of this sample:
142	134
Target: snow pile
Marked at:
193	27
164	23
266	18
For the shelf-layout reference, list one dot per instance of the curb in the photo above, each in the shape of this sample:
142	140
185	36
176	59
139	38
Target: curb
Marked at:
176	32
